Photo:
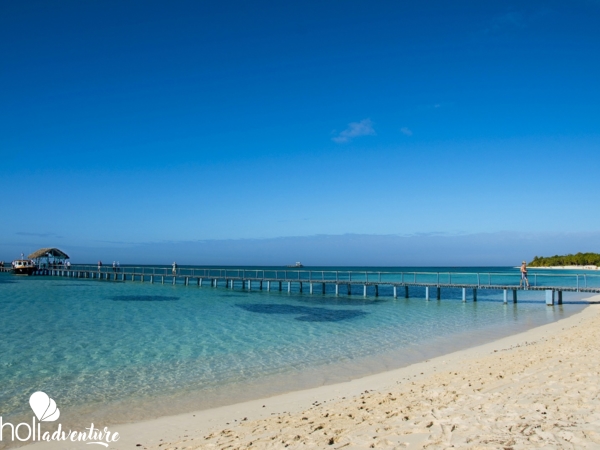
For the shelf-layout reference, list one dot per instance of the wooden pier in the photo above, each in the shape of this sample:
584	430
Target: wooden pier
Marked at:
340	282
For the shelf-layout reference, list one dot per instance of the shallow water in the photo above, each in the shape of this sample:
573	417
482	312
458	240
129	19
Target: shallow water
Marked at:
118	352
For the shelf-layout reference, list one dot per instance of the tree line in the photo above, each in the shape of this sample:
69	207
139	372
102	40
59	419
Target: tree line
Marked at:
579	259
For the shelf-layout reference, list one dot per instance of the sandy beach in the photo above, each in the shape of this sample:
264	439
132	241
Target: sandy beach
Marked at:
538	389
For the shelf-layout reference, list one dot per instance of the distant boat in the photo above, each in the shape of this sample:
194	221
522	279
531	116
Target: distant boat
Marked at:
23	267
298	264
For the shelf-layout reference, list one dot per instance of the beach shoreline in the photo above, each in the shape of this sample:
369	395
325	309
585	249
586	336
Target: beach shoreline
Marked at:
587	268
335	407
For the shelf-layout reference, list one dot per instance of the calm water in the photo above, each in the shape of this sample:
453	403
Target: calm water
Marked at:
117	352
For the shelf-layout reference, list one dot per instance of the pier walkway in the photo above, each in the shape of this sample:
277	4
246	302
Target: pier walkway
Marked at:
322	281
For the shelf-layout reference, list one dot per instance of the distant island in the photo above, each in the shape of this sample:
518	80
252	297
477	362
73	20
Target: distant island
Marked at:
579	259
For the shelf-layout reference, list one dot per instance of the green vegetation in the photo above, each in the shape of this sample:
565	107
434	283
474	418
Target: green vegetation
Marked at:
580	259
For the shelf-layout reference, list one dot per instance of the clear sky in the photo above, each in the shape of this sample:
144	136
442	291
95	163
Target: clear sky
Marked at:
143	123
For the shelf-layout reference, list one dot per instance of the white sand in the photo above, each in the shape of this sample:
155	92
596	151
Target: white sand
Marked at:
538	389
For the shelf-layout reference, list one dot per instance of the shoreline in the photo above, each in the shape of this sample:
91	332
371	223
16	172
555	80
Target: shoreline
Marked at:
587	268
187	429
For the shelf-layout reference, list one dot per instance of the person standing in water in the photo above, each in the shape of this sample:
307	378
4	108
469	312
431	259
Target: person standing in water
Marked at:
524	275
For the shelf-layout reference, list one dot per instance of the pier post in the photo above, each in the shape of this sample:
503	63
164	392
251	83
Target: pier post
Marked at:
337	289
323	292
249	285
405	291
395	292
173	280
514	296
260	285
310	288
132	277
349	290
232	283
426	292
280	286
187	280
300	286
151	279
376	290
289	286
268	286
464	294
216	282
474	294
200	282
162	279
365	290
549	297
559	299
439	293
505	295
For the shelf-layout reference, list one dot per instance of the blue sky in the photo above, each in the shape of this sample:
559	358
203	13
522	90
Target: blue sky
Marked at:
131	128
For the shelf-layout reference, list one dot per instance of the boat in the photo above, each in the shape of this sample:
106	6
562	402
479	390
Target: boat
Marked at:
298	264
23	267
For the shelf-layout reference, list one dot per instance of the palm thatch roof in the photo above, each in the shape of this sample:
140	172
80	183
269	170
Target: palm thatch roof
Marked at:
46	252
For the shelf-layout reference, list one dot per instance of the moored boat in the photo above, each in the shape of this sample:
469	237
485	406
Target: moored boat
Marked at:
23	267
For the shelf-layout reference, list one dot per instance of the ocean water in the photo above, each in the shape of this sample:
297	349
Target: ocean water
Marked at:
118	352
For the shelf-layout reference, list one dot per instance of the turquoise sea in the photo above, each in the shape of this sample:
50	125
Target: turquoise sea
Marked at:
112	352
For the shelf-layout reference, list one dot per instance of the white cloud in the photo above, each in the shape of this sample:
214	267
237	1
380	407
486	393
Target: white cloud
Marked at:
407	131
355	129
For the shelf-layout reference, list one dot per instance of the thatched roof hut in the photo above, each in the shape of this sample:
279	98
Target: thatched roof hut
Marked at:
48	253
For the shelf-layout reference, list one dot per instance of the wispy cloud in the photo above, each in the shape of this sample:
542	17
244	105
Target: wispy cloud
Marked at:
407	131
355	129
513	19
432	106
52	235
510	20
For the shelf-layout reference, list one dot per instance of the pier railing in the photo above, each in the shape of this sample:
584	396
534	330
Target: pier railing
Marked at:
575	281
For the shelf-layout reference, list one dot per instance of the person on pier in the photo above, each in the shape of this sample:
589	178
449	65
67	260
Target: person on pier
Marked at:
524	275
